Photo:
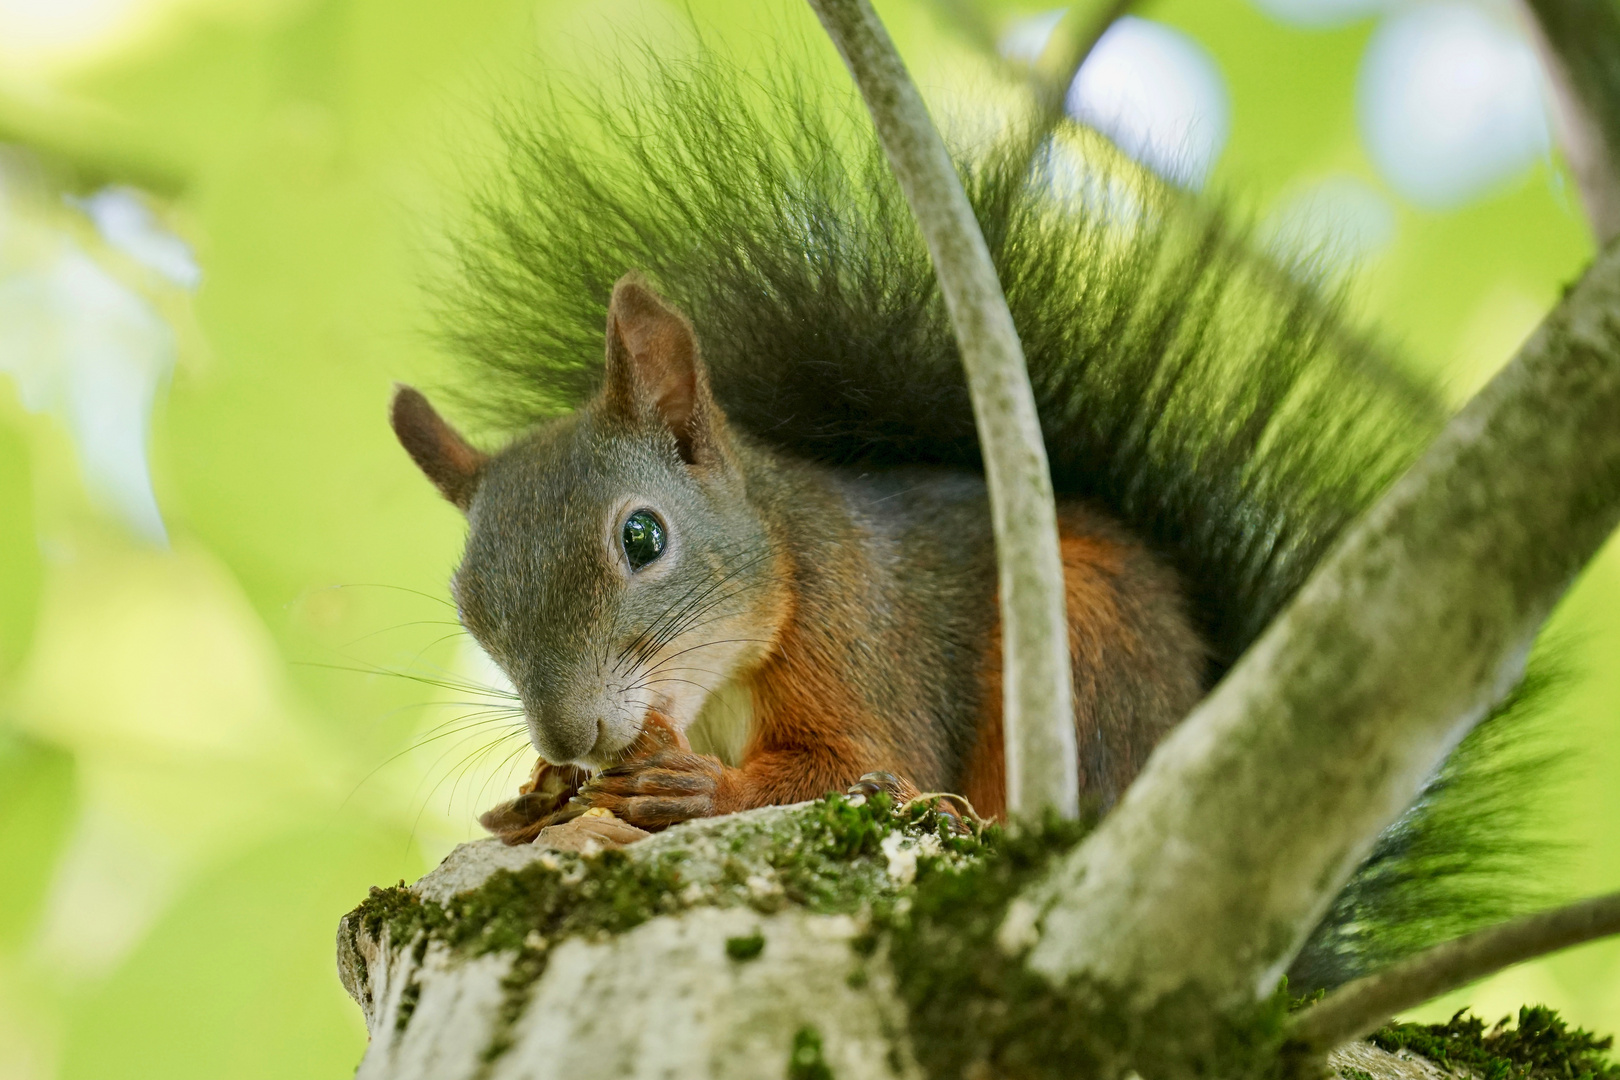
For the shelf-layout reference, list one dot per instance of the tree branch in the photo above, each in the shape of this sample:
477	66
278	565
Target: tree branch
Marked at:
1254	812
1580	48
1363	1005
1052	90
1042	770
1059	64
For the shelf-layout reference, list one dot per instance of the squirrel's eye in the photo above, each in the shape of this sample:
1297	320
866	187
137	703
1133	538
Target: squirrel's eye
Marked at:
643	538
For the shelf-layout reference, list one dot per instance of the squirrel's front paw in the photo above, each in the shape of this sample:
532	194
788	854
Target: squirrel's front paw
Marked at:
655	791
549	789
661	783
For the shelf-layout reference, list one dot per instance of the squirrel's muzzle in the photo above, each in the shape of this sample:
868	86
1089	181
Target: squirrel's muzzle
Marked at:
562	738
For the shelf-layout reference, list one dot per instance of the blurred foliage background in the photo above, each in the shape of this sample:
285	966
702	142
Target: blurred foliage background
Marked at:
215	219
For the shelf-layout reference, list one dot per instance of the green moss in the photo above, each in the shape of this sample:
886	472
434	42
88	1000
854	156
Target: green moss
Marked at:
805	1060
745	948
412	994
1355	1074
408	999
1539	1047
516	986
974	1010
827	858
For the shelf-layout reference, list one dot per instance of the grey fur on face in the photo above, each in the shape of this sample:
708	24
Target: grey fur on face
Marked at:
545	586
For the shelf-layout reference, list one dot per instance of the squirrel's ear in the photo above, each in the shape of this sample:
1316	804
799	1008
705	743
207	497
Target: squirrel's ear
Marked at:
653	367
436	447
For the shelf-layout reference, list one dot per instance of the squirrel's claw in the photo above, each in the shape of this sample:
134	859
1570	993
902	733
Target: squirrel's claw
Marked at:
659	782
653	792
902	793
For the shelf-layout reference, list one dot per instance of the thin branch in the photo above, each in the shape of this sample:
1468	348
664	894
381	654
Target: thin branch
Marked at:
1050	79
1580	47
1042	766
1363	1005
1253	813
1052	90
1059	64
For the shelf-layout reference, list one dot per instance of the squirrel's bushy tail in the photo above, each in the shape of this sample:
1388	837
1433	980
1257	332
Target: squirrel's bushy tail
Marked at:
1206	393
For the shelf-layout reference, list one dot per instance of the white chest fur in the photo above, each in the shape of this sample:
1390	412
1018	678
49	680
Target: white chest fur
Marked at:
723	724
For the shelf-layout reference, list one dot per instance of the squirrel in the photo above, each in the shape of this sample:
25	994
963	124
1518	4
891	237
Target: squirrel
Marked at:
642	557
741	555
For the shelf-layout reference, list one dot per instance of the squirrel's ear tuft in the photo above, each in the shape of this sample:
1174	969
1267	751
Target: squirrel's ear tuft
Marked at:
654	371
436	447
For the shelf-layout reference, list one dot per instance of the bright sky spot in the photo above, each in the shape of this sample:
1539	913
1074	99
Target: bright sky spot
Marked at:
124	221
1159	95
1450	102
1071	172
83	344
43	35
43	39
1339	221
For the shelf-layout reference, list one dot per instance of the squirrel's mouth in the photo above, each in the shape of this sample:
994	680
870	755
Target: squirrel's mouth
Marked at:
610	745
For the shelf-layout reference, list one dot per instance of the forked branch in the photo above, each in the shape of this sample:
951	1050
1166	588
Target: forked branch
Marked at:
1042	769
1363	1005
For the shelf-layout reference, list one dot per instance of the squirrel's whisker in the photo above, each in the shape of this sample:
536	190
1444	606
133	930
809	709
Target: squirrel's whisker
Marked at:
464	686
698	602
690	621
396	588
460	630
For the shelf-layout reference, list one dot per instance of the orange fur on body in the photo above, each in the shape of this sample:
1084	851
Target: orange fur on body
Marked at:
812	735
1102	643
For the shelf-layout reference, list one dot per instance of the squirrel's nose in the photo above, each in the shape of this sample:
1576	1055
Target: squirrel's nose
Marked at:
561	739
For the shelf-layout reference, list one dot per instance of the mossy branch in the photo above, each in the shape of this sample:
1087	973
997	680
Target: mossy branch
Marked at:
1363	1005
1256	810
1042	768
1580	46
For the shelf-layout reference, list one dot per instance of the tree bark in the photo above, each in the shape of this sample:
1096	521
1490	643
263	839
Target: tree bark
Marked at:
673	996
1366	1004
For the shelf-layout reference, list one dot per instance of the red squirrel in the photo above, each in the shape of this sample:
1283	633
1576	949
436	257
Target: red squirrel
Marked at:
741	555
801	625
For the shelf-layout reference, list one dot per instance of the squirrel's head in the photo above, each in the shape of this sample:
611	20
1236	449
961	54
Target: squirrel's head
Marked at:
614	565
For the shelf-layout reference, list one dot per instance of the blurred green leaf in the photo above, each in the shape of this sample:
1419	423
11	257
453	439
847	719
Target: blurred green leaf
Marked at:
19	553
238	979
36	812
